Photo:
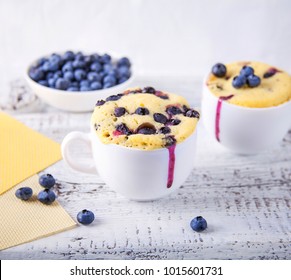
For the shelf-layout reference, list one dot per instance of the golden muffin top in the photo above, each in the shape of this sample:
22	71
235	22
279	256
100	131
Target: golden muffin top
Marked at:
145	119
252	84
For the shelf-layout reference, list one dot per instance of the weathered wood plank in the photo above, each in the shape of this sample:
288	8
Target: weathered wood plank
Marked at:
245	199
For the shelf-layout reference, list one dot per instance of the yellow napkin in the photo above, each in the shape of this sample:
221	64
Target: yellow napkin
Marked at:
23	152
24	221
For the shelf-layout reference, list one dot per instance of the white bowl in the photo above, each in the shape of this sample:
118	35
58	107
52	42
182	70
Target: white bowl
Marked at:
77	101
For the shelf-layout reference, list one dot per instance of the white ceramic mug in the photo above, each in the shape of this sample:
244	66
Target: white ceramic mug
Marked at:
241	129
136	174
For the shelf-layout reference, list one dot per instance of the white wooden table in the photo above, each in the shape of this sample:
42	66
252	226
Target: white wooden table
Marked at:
246	201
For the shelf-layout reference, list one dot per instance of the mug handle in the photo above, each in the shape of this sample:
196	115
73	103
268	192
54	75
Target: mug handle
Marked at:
74	163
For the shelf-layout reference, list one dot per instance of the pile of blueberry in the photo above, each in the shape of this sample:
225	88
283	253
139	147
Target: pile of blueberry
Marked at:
47	196
78	72
245	77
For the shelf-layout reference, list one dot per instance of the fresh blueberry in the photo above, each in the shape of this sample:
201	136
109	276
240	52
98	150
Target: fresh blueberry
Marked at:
113	97
170	141
173	110
122	128
41	61
93	76
246	71
142	111
79	56
79	64
62	84
68	66
52	82
69	55
173	122
122	80
100	102
47	181
43	83
75	84
239	81
96	85
123	61
46	196
84	88
190	113
46	66
49	75
108	85
146	128
96	66
69	76
253	81
108	67
55	58
160	118
79	74
72	89
24	193
119	111
58	74
165	130
36	74
109	79
123	71
106	58
219	70
198	224
85	217
84	83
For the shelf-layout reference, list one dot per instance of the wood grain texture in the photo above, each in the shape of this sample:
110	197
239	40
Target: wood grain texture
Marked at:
245	199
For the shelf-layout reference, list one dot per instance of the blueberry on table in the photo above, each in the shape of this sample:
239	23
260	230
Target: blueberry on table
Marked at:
142	111
62	84
119	111
85	217
253	81
239	81
198	224
24	193
47	181
219	70
160	118
247	71
47	196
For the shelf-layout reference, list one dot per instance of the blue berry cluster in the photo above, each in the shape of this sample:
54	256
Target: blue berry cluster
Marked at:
47	196
78	72
246	77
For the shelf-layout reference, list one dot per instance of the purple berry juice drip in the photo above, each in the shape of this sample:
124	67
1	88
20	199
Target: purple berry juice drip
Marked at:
217	117
171	166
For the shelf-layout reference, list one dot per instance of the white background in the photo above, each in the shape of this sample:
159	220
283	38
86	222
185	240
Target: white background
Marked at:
176	38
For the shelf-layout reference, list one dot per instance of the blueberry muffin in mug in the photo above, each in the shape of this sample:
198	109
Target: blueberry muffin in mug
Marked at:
146	119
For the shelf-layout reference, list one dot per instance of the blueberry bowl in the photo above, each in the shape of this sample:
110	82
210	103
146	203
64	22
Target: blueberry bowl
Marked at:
74	81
